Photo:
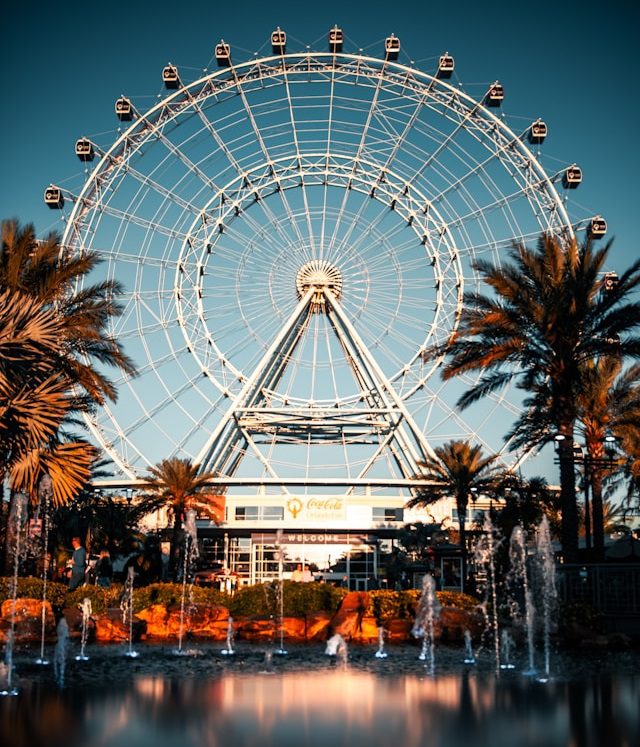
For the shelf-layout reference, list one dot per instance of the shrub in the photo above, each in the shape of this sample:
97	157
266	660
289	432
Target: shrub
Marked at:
457	599
31	588
101	599
170	595
299	599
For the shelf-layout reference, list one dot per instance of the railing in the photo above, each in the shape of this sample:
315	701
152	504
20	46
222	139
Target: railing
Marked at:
613	590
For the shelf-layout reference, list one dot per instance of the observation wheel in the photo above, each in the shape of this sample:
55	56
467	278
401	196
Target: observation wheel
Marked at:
294	234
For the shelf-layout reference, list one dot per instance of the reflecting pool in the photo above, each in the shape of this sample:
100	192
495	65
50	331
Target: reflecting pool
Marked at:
307	698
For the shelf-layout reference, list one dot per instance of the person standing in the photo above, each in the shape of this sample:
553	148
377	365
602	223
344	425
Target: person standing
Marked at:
104	569
79	562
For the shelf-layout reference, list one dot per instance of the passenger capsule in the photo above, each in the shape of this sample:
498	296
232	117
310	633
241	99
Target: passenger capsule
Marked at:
84	149
278	41
124	109
170	77
336	38
446	66
610	281
223	54
597	227
392	47
537	132
53	197
495	95
572	177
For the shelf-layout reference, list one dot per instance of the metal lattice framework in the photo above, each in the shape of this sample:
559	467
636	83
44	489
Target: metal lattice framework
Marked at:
293	233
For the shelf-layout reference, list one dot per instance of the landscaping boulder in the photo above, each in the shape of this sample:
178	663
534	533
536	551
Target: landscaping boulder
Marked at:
110	627
27	618
347	621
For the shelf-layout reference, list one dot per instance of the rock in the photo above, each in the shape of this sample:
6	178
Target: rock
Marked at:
367	631
27	620
198	621
204	621
73	616
453	621
156	618
317	626
256	629
399	631
111	628
347	621
295	629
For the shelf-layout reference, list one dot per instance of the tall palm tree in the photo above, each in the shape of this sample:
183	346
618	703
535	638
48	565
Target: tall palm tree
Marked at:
462	472
54	346
53	339
547	315
609	403
177	485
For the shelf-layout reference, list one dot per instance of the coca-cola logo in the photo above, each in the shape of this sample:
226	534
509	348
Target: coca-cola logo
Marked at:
324	504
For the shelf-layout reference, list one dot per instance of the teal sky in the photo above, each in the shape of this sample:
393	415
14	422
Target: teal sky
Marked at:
574	64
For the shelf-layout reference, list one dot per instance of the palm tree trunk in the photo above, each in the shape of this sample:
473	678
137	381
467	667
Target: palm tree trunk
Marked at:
598	514
9	542
569	507
462	536
176	535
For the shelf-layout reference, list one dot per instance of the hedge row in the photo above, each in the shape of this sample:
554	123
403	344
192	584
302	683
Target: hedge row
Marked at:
258	600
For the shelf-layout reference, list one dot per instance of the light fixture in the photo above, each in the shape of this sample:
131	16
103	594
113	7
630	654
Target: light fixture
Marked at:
559	437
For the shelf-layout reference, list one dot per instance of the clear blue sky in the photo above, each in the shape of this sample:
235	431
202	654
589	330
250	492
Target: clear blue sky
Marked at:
574	64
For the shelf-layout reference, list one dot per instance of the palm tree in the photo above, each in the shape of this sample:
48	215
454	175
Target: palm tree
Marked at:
53	347
609	405
53	339
629	473
460	471
546	316
176	484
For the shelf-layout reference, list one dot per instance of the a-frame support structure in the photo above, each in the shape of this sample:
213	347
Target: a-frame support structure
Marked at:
259	415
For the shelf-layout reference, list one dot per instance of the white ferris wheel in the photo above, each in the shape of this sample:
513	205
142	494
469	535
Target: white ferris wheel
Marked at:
294	233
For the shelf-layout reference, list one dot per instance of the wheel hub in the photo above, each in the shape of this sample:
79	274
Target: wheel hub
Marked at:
319	274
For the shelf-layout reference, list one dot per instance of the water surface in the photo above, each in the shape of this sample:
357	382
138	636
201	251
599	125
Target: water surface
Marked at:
307	699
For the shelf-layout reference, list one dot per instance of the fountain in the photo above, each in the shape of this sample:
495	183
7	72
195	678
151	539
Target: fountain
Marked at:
520	588
469	656
6	669
268	662
45	498
190	554
485	554
85	608
126	605
280	555
19	510
381	653
426	615
549	595
229	651
337	647
60	651
506	650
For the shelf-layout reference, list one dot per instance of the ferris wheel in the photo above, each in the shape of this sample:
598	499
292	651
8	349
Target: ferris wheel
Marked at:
295	234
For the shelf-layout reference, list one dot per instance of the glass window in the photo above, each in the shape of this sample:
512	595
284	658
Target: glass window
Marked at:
387	514
256	513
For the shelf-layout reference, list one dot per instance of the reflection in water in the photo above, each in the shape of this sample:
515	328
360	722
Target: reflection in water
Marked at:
155	707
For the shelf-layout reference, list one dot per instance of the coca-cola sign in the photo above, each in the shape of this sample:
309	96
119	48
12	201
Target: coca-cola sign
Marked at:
316	508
